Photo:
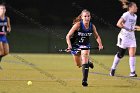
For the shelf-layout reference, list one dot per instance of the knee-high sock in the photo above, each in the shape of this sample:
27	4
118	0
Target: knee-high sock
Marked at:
115	62
132	61
85	70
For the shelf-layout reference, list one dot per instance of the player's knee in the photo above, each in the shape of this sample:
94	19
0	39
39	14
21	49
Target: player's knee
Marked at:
121	52
120	55
85	55
6	52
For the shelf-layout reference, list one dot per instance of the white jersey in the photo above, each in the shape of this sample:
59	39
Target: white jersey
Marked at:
127	38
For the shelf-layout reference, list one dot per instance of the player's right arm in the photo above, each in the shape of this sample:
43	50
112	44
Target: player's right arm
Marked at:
74	28
122	20
120	23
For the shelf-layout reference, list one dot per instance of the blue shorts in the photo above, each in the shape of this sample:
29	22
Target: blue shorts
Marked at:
76	47
3	39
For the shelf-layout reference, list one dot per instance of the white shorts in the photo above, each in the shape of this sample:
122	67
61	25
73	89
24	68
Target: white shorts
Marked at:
126	39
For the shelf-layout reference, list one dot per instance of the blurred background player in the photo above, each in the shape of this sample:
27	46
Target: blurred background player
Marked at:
126	37
80	32
4	29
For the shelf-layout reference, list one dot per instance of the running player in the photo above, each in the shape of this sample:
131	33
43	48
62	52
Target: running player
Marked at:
81	31
126	38
4	28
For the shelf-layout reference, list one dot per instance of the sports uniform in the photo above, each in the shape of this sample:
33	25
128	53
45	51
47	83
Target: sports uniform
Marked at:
80	38
3	30
126	37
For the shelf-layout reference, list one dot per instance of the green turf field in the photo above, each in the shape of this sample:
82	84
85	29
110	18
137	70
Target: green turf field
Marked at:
53	73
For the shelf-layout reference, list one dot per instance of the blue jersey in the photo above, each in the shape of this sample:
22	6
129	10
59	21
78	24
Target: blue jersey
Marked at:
81	37
3	29
3	24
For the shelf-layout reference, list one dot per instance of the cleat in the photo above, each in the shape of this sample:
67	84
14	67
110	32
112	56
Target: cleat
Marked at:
112	72
133	74
84	83
91	65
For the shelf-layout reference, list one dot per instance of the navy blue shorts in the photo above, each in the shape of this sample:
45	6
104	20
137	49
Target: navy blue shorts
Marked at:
3	39
76	47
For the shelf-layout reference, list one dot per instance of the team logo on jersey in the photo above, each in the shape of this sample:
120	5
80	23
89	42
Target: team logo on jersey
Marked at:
132	20
3	24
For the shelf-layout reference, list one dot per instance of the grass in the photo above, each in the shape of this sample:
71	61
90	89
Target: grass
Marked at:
53	73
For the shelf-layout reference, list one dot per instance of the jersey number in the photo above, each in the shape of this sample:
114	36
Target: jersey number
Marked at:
82	39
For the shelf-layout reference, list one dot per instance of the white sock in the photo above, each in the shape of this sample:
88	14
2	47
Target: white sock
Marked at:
132	61
115	62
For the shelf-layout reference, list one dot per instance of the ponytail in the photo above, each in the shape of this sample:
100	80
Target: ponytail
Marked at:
126	4
77	19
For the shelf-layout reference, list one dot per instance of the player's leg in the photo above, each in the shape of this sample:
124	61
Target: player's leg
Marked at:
77	59
1	51
118	56
6	48
76	55
85	66
132	61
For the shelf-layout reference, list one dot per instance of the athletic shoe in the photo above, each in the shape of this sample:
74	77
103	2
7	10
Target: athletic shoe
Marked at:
84	83
91	65
112	72
133	74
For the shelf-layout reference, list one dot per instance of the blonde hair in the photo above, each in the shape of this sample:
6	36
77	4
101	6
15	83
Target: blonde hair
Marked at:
126	4
78	18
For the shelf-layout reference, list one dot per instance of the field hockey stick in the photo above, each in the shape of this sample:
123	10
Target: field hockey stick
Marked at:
78	49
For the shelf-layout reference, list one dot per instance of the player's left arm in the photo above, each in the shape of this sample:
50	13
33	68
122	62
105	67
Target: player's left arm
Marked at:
8	25
97	37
